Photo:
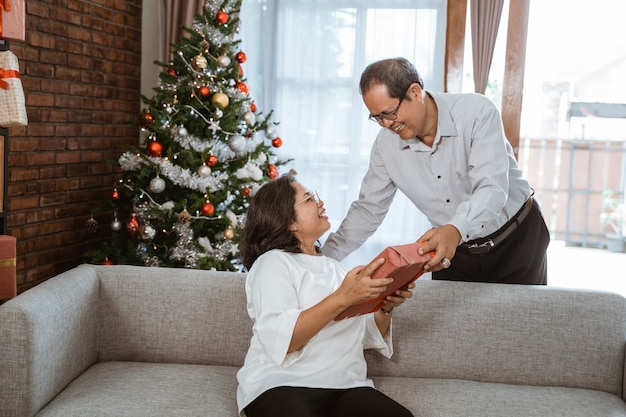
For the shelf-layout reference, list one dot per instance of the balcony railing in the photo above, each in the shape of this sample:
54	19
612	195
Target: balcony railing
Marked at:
569	177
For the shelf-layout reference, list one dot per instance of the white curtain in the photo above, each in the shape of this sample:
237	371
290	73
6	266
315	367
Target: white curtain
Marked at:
304	62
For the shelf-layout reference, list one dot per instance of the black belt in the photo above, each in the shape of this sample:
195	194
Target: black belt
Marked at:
487	244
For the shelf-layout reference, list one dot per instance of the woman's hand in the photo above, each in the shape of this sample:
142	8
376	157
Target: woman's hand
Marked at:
358	285
383	316
396	299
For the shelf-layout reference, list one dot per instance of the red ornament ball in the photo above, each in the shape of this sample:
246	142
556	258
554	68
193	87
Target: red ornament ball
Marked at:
115	195
106	262
221	17
211	160
154	148
240	57
204	91
272	171
146	119
277	142
242	87
207	209
171	71
133	226
246	191
253	108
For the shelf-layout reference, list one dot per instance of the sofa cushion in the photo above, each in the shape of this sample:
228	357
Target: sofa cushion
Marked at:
134	389
172	315
459	398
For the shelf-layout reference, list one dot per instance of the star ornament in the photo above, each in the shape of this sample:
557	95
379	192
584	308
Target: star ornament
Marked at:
214	126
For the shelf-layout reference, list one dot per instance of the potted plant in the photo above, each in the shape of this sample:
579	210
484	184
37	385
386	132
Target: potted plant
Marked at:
614	216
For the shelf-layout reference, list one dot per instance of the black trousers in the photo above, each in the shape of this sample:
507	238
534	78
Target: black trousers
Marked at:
520	259
321	402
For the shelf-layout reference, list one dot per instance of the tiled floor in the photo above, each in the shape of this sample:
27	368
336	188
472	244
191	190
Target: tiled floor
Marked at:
576	267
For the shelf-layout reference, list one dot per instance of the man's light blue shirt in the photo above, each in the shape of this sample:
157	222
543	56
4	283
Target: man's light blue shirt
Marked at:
469	178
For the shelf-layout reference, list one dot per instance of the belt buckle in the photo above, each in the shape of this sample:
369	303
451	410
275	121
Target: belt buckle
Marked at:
484	247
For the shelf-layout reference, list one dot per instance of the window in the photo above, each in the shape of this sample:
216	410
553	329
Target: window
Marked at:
305	59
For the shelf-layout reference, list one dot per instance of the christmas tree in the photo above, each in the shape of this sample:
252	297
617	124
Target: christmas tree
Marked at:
184	193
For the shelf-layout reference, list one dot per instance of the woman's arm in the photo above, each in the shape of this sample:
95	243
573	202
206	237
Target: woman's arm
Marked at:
383	316
355	288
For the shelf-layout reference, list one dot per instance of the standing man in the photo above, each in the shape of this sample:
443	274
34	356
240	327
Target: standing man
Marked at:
448	154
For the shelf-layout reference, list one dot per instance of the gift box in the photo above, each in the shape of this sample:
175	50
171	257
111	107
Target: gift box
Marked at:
8	288
403	263
12	102
13	20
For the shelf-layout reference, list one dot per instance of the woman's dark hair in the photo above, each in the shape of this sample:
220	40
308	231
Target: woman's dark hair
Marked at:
268	220
397	74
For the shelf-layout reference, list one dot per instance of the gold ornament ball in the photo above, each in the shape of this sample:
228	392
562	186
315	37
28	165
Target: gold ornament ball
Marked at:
184	216
229	233
220	99
92	225
200	62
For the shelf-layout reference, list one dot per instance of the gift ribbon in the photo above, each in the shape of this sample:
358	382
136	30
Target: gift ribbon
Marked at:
6	6
7	262
7	74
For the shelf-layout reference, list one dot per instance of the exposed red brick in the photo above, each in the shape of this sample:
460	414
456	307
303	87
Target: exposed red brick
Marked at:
80	68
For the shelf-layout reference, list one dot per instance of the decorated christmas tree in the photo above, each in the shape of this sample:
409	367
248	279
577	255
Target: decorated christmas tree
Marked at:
184	192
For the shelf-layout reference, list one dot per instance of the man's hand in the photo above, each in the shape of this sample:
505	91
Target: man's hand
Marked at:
443	241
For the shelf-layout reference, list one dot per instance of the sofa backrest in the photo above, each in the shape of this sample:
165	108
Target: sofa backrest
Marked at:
529	335
172	315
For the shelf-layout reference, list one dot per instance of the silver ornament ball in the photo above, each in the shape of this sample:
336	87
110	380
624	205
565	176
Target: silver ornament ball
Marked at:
204	170
116	225
148	232
249	117
157	185
271	132
237	143
223	61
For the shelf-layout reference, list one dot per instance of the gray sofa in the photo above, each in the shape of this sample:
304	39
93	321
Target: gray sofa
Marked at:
138	341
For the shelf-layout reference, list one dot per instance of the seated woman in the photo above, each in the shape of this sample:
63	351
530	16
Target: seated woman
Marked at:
302	363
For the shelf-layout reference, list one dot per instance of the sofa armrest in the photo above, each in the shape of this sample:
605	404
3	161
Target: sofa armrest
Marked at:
624	374
48	336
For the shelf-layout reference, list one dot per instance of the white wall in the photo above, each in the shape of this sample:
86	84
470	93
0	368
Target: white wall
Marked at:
150	47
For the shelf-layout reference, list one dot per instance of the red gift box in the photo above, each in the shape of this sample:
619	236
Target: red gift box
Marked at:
402	263
8	287
13	20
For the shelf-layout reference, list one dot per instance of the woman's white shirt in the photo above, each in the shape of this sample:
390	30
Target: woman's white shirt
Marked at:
279	286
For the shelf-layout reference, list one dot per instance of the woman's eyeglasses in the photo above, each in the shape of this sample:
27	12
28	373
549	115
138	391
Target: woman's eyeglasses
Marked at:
309	197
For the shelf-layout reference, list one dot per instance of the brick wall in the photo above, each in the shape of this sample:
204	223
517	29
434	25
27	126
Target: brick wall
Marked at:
80	68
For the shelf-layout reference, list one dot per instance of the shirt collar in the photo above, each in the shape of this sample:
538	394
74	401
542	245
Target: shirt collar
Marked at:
445	127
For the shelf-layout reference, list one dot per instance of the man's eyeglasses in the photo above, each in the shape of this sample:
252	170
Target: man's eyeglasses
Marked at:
388	115
309	197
